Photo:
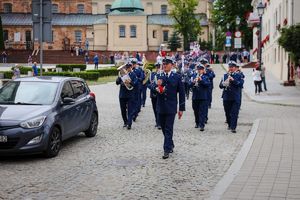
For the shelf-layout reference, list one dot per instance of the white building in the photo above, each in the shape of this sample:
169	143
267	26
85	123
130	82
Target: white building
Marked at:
277	14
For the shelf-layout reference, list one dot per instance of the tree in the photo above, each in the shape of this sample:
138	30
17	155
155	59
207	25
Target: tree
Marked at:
226	11
186	22
174	43
205	45
1	36
290	41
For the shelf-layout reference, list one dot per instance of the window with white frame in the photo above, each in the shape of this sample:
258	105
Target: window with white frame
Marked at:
122	32
133	31
80	8
164	9
78	36
54	8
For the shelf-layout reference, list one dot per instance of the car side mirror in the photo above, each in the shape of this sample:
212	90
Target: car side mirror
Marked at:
68	101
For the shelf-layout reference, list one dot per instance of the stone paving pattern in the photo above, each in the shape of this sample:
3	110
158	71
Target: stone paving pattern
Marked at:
121	164
272	167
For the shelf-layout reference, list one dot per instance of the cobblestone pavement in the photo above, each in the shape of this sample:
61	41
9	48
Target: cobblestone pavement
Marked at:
121	164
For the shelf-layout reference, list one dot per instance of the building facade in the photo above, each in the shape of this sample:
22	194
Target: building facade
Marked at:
277	14
106	25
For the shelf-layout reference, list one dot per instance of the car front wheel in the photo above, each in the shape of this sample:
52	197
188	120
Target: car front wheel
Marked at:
93	128
54	143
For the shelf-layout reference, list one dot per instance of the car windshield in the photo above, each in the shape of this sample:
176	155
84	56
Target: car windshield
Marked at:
28	93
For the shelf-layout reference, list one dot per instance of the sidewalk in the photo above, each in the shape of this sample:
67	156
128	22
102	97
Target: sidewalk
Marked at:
276	94
271	169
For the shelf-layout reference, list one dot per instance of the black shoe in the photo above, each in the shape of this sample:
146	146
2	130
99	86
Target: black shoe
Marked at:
134	118
201	129
233	131
196	126
206	122
159	127
125	125
129	127
166	155
228	128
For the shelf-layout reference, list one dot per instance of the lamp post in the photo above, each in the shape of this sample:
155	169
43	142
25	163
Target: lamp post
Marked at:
93	40
260	10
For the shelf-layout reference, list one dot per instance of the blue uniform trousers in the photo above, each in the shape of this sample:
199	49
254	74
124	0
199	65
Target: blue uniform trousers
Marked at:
210	91
139	103
144	95
232	109
200	108
154	102
187	90
167	123
127	109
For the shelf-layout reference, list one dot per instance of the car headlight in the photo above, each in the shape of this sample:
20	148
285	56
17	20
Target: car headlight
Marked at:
33	123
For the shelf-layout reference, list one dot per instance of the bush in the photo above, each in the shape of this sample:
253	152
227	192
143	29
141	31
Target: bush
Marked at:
25	70
106	72
83	75
7	74
70	67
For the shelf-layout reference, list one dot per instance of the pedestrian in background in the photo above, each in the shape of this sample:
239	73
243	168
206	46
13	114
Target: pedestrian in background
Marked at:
16	72
29	60
298	71
96	61
257	80
4	57
86	58
34	69
263	76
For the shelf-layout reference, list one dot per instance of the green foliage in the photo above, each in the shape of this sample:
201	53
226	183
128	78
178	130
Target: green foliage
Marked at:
25	70
174	42
226	11
105	72
205	45
7	74
1	36
83	75
290	41
186	22
70	67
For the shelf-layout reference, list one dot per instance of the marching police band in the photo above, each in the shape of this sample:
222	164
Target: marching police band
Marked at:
167	83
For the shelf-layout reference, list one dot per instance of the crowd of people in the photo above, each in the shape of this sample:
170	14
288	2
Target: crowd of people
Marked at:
170	85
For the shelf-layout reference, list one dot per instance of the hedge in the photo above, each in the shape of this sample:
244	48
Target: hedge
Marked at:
70	67
25	70
7	74
105	72
83	75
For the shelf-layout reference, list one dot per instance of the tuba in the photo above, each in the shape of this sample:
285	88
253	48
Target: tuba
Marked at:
146	71
123	74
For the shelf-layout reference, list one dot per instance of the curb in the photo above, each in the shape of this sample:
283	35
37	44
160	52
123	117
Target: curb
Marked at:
263	102
237	164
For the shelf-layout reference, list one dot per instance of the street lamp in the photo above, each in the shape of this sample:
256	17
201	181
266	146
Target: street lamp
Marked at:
260	10
93	40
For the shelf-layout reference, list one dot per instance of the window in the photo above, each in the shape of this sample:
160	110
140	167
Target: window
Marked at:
154	34
28	35
54	8
133	31
7	8
80	8
107	8
79	88
122	33
166	36
52	36
78	36
67	91
5	35
164	9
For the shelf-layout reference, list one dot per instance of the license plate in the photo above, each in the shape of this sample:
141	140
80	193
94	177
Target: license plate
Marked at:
3	138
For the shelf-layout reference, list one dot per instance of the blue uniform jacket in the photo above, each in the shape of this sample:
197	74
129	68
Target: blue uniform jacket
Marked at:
153	92
211	75
140	76
233	92
124	93
167	101
200	92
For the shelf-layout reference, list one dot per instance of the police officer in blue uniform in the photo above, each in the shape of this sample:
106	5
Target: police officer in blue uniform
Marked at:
144	86
232	84
138	90
200	84
186	76
169	84
127	96
153	93
211	74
